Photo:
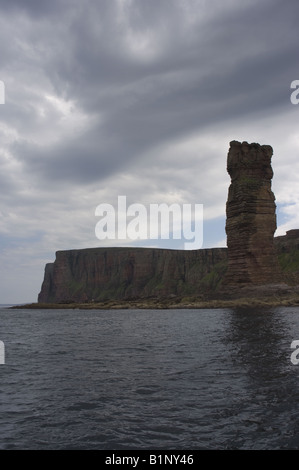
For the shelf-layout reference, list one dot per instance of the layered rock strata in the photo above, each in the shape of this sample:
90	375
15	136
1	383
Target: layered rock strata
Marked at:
97	274
251	217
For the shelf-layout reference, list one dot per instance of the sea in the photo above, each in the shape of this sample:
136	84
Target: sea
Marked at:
192	379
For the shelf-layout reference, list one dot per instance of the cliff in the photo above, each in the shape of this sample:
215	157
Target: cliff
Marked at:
253	264
97	274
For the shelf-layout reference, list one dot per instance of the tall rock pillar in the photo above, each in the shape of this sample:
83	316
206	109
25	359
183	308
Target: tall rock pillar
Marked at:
251	217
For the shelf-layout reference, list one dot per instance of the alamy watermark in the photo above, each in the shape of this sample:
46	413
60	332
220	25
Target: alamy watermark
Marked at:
294	358
295	94
2	353
174	221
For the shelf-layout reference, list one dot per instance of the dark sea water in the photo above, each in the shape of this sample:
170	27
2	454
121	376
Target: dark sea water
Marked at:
149	379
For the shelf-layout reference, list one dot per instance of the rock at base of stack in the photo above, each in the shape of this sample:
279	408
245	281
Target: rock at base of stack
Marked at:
251	217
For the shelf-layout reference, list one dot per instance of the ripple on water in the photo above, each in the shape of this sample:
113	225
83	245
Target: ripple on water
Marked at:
200	379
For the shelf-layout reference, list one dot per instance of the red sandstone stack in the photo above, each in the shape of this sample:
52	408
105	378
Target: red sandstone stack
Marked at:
251	217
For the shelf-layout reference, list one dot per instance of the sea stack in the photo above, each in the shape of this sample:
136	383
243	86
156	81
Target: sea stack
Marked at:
250	216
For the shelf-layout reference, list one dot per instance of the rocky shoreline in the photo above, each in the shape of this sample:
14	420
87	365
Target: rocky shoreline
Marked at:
157	304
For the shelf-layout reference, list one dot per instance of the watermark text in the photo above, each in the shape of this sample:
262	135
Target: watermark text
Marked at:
295	354
295	94
174	221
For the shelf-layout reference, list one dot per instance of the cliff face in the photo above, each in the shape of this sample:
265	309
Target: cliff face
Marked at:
251	218
253	257
288	256
127	273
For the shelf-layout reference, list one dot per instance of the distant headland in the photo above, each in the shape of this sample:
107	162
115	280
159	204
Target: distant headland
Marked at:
256	268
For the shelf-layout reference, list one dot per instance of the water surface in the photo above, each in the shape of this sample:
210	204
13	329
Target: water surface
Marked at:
149	379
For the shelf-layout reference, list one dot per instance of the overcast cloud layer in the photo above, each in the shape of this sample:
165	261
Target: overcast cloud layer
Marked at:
138	98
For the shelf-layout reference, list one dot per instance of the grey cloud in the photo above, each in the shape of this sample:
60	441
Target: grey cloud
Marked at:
237	62
100	67
34	8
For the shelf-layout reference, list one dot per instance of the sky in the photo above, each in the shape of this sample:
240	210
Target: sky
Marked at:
136	98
